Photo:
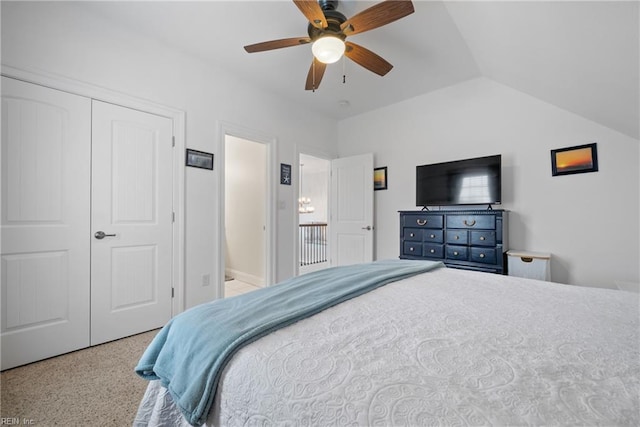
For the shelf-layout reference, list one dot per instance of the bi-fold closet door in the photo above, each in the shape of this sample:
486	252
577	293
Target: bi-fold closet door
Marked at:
75	169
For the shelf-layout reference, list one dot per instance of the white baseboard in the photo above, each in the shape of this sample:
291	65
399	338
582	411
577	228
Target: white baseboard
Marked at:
245	277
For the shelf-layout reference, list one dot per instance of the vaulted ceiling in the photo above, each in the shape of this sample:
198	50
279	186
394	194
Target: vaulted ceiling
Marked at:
582	56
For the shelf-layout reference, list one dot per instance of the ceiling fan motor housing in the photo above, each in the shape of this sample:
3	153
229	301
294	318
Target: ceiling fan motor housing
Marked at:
334	20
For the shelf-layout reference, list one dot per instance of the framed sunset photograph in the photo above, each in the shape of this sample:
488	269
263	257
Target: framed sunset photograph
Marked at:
578	159
380	178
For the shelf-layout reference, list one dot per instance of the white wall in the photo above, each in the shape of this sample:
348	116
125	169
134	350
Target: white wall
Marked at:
588	222
245	215
59	38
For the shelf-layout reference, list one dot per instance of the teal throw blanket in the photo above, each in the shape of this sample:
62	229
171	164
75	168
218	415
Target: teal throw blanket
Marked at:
190	352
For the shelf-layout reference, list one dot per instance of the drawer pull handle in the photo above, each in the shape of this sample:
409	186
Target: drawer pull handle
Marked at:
526	259
411	235
482	238
457	237
433	236
421	221
456	253
481	255
410	249
433	251
470	223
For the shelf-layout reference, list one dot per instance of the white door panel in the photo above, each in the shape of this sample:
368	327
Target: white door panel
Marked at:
352	210
352	247
46	155
132	200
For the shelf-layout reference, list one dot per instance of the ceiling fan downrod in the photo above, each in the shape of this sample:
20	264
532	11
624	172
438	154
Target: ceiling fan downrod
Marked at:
328	4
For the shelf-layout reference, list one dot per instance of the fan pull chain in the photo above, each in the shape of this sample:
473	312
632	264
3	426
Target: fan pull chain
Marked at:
313	79
344	72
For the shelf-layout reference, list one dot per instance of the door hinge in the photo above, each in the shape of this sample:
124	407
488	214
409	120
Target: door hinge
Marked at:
173	217
173	292
173	141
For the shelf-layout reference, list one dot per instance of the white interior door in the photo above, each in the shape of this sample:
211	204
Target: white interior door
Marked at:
351	223
46	155
131	266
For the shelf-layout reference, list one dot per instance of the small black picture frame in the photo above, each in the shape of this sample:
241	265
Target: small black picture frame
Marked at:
199	159
285	174
380	178
577	159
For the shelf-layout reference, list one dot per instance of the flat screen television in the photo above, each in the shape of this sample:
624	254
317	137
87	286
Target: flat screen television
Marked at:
476	181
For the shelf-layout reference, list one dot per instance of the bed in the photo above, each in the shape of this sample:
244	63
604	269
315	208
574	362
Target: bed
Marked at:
439	347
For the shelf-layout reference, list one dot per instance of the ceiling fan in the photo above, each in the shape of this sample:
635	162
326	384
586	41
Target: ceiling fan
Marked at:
328	30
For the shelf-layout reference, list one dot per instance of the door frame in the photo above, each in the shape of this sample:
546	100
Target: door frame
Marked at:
314	152
242	132
65	84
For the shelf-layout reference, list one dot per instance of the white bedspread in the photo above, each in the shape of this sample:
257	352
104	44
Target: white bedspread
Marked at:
448	347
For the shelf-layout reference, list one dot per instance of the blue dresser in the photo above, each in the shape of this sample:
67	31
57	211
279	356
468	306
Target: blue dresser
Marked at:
467	239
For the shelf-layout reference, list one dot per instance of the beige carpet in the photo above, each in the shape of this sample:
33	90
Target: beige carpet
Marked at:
92	387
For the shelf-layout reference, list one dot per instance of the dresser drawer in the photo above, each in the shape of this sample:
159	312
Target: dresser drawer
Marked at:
425	221
457	252
484	255
458	237
412	234
435	236
412	248
483	238
432	250
486	222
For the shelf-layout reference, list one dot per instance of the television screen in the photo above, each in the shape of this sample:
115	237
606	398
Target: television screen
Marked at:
464	182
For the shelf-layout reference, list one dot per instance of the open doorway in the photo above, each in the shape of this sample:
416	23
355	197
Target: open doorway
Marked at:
313	213
245	218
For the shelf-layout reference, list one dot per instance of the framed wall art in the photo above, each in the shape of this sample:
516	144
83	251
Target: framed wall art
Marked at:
285	174
199	159
380	178
578	159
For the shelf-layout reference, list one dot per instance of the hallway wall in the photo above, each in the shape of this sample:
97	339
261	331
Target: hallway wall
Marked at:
245	192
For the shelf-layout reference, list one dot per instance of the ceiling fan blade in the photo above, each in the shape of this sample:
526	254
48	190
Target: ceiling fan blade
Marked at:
313	12
276	44
367	59
316	71
376	16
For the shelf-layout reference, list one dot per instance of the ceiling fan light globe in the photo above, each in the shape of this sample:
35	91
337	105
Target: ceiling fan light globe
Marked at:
328	49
